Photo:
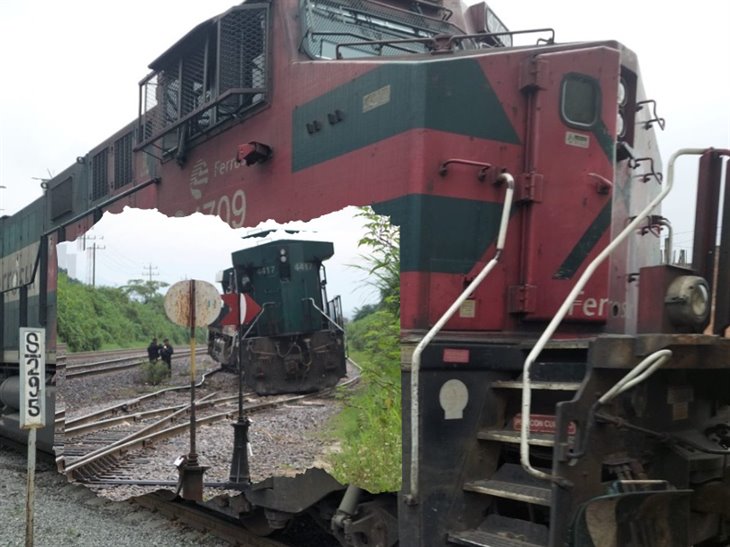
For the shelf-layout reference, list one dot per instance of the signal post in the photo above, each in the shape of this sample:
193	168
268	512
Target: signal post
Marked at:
32	342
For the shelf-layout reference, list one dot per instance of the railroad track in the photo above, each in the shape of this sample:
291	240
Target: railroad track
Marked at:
86	356
105	445
112	362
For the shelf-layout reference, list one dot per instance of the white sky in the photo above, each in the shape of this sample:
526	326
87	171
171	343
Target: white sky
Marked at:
71	69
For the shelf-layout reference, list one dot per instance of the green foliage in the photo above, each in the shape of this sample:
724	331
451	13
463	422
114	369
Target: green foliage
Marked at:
369	427
145	291
155	373
99	318
364	311
382	262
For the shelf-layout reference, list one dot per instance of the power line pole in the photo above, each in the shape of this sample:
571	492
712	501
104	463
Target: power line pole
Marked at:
149	271
94	247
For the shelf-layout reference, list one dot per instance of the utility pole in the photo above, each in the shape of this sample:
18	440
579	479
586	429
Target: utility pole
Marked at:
94	247
149	271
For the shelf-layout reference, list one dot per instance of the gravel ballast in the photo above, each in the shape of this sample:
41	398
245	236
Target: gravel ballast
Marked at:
284	440
72	515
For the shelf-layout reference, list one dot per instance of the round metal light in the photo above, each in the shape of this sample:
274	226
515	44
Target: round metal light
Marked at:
688	302
621	93
620	125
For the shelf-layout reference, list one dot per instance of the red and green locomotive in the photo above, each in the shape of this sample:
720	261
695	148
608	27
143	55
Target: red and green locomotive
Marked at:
558	384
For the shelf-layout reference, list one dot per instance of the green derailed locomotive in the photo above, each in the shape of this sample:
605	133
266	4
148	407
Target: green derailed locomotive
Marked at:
278	322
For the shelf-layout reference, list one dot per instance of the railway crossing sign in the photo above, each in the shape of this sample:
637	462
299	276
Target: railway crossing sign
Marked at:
207	303
32	377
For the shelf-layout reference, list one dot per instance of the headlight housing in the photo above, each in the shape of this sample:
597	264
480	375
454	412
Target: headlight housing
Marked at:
688	302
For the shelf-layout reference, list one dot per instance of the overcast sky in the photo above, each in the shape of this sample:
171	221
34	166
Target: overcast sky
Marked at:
71	69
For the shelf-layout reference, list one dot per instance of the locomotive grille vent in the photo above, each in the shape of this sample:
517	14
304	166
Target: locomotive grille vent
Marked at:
99	175
213	75
123	161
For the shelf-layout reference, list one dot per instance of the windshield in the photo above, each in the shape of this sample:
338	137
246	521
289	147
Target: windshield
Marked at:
347	24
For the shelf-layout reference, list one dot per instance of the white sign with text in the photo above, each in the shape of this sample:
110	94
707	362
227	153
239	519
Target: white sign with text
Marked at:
32	377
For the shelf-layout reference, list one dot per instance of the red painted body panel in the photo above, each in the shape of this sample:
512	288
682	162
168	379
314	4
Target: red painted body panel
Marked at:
569	200
542	233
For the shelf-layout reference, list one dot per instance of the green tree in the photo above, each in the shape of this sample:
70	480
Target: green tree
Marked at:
382	261
144	290
364	311
105	317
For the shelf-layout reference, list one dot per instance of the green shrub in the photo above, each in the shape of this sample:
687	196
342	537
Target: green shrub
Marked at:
369	427
154	373
105	317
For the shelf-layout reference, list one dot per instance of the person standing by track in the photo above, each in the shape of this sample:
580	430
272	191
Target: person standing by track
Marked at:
153	351
166	351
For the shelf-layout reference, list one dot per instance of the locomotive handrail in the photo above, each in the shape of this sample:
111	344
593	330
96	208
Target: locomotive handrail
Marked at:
256	319
314	305
568	302
510	33
412	496
637	374
242	91
439	42
99	206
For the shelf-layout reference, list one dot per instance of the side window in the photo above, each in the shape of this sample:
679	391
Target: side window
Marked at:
216	73
363	28
580	101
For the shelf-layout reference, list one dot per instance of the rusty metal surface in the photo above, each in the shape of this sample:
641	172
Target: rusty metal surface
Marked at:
206	299
697	351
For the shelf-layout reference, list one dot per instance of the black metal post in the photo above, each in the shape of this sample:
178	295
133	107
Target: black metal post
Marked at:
240	474
192	473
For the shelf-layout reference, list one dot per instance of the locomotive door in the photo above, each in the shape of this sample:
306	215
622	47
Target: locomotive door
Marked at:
567	180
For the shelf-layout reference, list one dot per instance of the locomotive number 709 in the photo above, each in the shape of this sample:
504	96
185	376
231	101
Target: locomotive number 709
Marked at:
232	210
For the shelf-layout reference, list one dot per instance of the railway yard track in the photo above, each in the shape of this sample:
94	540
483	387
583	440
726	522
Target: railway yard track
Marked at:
91	363
119	437
102	447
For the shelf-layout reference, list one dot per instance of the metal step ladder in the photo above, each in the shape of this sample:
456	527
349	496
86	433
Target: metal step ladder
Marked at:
521	506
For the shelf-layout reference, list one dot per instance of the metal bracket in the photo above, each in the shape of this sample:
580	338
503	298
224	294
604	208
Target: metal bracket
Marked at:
645	177
486	168
656	119
530	187
522	298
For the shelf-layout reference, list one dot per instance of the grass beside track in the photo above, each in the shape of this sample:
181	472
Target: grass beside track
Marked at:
369	427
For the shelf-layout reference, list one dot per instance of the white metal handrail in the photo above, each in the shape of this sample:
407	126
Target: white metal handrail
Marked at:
563	310
637	374
506	178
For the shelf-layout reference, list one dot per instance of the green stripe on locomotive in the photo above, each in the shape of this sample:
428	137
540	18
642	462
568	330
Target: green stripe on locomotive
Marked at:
283	276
